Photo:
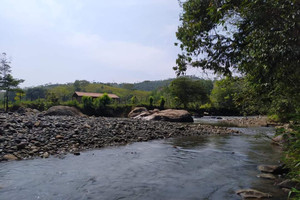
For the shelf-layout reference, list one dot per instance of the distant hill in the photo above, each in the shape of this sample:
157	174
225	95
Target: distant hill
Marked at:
146	85
149	85
125	91
65	91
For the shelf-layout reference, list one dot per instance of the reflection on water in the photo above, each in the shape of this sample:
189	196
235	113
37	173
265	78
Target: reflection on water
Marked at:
179	168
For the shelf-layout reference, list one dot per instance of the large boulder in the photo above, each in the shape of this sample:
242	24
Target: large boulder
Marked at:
137	111
171	115
63	110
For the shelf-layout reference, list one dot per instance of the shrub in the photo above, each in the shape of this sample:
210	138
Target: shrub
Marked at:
88	106
162	102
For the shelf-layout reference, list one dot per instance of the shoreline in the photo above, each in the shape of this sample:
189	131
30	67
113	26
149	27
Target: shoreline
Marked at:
27	136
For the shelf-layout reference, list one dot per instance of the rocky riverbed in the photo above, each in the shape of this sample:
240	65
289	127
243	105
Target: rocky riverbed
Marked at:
25	136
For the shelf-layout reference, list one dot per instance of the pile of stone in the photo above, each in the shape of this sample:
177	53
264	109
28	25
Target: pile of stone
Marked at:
28	135
272	172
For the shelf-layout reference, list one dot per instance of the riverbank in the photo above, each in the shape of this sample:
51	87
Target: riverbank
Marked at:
25	136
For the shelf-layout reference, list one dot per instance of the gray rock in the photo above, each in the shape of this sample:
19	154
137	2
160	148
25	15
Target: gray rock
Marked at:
137	111
63	111
62	134
46	155
10	157
266	176
251	193
171	115
268	168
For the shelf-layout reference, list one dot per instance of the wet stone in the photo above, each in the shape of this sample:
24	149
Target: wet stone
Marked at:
251	194
266	176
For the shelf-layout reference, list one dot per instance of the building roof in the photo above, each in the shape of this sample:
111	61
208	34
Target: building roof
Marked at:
95	95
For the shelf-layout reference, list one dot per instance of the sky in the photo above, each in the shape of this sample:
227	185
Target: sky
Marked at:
60	41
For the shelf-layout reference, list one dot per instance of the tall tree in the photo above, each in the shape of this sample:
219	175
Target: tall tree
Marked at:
258	38
187	91
7	82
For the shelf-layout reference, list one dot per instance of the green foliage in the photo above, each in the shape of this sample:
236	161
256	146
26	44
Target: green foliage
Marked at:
38	104
88	105
100	104
36	93
151	101
240	35
51	97
294	194
185	91
162	102
19	95
64	92
223	93
151	85
133	100
73	103
7	81
292	158
105	99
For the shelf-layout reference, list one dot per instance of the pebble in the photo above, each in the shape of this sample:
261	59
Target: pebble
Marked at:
27	135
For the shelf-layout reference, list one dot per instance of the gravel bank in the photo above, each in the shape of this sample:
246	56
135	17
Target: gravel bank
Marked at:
35	135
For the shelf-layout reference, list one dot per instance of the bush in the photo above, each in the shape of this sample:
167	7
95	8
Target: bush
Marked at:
73	103
162	102
151	101
88	106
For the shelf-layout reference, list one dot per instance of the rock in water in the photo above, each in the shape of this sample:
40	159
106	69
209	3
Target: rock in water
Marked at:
267	168
274	169
171	115
46	155
63	110
10	157
251	193
266	176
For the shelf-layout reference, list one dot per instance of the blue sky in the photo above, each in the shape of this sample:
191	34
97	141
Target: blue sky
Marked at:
59	41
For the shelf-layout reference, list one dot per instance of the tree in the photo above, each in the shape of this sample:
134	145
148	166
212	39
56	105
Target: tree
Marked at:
19	94
36	93
133	100
88	106
187	91
105	99
7	82
79	85
224	36
162	102
151	101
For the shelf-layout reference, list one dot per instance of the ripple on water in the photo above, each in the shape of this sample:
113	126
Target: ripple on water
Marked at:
178	168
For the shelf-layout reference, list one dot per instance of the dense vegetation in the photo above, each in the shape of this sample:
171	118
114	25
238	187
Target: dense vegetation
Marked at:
259	40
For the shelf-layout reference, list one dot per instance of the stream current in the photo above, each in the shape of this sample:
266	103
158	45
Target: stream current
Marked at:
204	167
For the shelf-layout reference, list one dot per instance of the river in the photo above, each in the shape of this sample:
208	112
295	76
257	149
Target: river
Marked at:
206	167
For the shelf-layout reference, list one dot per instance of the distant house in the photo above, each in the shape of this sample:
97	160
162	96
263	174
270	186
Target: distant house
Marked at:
79	95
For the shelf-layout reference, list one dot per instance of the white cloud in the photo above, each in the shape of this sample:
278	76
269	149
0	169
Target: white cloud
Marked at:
63	40
119	54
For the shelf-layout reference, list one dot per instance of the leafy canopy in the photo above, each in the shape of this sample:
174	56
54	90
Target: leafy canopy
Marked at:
258	38
186	90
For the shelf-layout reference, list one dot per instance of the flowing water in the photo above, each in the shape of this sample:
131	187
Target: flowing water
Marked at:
211	167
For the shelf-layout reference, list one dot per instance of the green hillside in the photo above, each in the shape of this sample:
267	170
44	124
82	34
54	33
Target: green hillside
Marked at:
64	92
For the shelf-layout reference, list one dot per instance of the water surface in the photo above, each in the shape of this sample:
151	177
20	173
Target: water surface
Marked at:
179	168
